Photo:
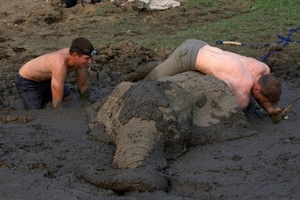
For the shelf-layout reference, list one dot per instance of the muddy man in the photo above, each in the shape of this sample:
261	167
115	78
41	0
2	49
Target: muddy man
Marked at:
42	79
243	75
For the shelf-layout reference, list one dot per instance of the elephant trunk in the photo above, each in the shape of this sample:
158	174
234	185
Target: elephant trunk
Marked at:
139	143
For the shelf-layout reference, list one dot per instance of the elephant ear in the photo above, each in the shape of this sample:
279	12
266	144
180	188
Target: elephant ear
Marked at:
206	109
107	113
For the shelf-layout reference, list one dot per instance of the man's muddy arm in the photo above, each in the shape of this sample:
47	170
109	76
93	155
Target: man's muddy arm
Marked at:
56	103
82	84
57	89
267	106
57	95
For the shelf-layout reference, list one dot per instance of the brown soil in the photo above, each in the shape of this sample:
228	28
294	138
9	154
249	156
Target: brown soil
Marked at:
42	153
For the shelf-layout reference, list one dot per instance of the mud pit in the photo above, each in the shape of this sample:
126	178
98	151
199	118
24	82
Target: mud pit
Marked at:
43	154
152	123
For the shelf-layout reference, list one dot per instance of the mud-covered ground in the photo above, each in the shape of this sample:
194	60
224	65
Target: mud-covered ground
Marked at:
43	153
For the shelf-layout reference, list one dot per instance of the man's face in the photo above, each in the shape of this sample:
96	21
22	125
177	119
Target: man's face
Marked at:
83	60
263	101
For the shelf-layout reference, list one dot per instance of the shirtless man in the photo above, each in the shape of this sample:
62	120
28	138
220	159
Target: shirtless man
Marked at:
243	75
42	79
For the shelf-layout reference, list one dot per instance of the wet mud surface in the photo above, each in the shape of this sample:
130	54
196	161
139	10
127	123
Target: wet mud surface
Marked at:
43	154
46	157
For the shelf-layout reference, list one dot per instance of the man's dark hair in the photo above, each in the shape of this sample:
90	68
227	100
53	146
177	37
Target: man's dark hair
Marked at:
81	46
270	88
69	3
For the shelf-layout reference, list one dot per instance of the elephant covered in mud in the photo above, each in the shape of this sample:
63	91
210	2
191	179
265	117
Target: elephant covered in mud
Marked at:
154	122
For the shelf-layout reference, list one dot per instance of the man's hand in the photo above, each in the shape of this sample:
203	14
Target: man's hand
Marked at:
275	111
56	103
278	114
85	95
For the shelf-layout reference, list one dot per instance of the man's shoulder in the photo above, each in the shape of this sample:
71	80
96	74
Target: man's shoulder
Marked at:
57	55
56	60
64	50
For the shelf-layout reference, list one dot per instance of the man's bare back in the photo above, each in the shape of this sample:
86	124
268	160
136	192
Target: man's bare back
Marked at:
245	76
239	72
41	68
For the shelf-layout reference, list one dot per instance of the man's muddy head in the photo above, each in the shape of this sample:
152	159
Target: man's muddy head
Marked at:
83	46
270	88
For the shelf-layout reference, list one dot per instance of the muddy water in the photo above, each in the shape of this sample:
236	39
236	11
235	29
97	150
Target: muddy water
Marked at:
44	158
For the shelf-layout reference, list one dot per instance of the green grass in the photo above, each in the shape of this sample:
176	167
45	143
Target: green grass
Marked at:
262	23
245	21
205	3
266	20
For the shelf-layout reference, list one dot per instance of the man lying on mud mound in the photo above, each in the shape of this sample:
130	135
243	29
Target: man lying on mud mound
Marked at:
243	75
42	79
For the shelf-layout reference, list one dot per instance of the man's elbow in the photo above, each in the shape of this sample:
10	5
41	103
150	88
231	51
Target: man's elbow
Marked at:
243	104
